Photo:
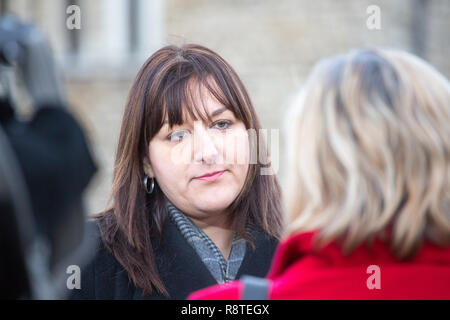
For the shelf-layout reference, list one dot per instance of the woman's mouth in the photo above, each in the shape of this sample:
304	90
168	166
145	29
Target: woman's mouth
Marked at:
209	177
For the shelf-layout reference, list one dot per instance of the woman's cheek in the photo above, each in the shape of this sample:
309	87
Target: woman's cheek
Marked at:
181	153
236	147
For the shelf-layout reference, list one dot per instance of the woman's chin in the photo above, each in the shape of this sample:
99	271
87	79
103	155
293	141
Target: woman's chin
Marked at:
213	204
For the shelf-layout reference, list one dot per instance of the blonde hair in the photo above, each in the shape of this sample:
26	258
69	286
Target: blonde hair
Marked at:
369	152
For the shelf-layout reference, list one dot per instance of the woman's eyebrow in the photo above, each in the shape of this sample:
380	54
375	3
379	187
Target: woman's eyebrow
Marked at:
218	111
213	114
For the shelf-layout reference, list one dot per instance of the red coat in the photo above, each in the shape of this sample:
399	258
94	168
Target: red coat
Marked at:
299	273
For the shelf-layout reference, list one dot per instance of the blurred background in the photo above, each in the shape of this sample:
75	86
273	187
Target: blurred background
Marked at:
271	44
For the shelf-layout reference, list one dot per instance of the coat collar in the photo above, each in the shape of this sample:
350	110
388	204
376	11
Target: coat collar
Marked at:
299	246
183	272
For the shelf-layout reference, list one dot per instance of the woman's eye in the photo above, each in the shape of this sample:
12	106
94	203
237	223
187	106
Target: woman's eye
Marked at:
177	136
222	124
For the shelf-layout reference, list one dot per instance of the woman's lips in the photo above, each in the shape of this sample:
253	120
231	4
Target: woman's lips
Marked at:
211	177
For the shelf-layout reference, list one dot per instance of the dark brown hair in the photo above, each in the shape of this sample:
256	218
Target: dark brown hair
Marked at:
162	91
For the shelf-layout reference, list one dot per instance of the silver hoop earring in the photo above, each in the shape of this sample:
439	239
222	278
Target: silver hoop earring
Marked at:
149	189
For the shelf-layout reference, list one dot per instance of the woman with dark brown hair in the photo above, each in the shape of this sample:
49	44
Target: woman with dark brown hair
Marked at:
190	205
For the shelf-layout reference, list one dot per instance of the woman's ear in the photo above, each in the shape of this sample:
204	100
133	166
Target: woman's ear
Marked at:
148	167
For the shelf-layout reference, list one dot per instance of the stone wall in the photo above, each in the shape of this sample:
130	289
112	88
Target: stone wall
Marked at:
271	44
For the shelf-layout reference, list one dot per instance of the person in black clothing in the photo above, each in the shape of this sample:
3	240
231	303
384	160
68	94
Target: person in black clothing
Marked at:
45	165
192	203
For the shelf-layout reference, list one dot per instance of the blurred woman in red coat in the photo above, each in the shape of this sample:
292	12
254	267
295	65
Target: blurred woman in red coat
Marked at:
368	185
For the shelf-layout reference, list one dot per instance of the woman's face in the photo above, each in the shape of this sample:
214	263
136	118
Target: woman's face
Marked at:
201	167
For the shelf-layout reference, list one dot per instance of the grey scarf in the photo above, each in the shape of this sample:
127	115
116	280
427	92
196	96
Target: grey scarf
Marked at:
208	252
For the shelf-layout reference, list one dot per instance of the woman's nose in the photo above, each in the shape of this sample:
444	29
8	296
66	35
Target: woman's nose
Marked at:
205	149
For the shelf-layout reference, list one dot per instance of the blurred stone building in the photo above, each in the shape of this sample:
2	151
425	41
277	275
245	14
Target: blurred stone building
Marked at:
271	44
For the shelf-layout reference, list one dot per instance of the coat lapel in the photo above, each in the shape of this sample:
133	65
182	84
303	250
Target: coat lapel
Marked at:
257	261
183	272
180	268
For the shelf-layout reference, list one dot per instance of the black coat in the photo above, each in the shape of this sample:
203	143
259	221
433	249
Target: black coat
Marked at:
179	266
